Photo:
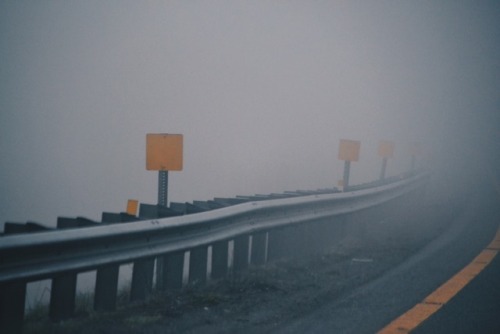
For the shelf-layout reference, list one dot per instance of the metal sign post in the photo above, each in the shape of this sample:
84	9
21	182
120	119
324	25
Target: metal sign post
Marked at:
163	153
386	151
163	187
347	171
384	167
348	151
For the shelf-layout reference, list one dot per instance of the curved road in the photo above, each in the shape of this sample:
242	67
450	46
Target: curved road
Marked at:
475	309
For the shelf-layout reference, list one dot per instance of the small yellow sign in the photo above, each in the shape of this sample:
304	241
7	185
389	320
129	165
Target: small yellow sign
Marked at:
132	206
386	149
164	151
349	150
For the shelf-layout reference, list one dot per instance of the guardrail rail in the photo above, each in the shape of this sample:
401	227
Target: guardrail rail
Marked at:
259	228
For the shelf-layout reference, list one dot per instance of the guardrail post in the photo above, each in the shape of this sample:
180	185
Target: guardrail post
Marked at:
174	269
279	244
106	283
171	270
241	244
63	291
286	243
13	294
259	248
106	288
198	265
333	231
305	241
142	279
12	299
220	253
62	297
148	211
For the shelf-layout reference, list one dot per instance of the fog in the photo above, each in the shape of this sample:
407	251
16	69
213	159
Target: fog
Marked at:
261	90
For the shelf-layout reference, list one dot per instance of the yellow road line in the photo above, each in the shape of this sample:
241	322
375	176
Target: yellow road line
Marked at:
432	303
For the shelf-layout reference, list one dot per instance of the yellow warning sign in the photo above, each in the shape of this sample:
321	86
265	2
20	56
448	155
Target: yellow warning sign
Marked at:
386	149
164	151
349	150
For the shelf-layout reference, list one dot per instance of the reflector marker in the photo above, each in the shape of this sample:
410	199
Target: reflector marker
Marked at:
132	206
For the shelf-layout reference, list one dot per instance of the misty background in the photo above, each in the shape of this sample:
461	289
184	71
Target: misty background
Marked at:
261	90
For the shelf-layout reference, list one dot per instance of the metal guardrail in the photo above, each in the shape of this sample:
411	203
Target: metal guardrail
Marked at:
63	253
41	255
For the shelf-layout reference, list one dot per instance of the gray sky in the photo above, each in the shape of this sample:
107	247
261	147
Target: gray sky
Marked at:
261	90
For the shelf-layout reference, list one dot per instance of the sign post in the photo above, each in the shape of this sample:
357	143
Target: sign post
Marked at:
386	151
348	151
163	153
163	187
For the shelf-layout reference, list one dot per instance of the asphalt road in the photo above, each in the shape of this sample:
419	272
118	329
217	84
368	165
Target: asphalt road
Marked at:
476	309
